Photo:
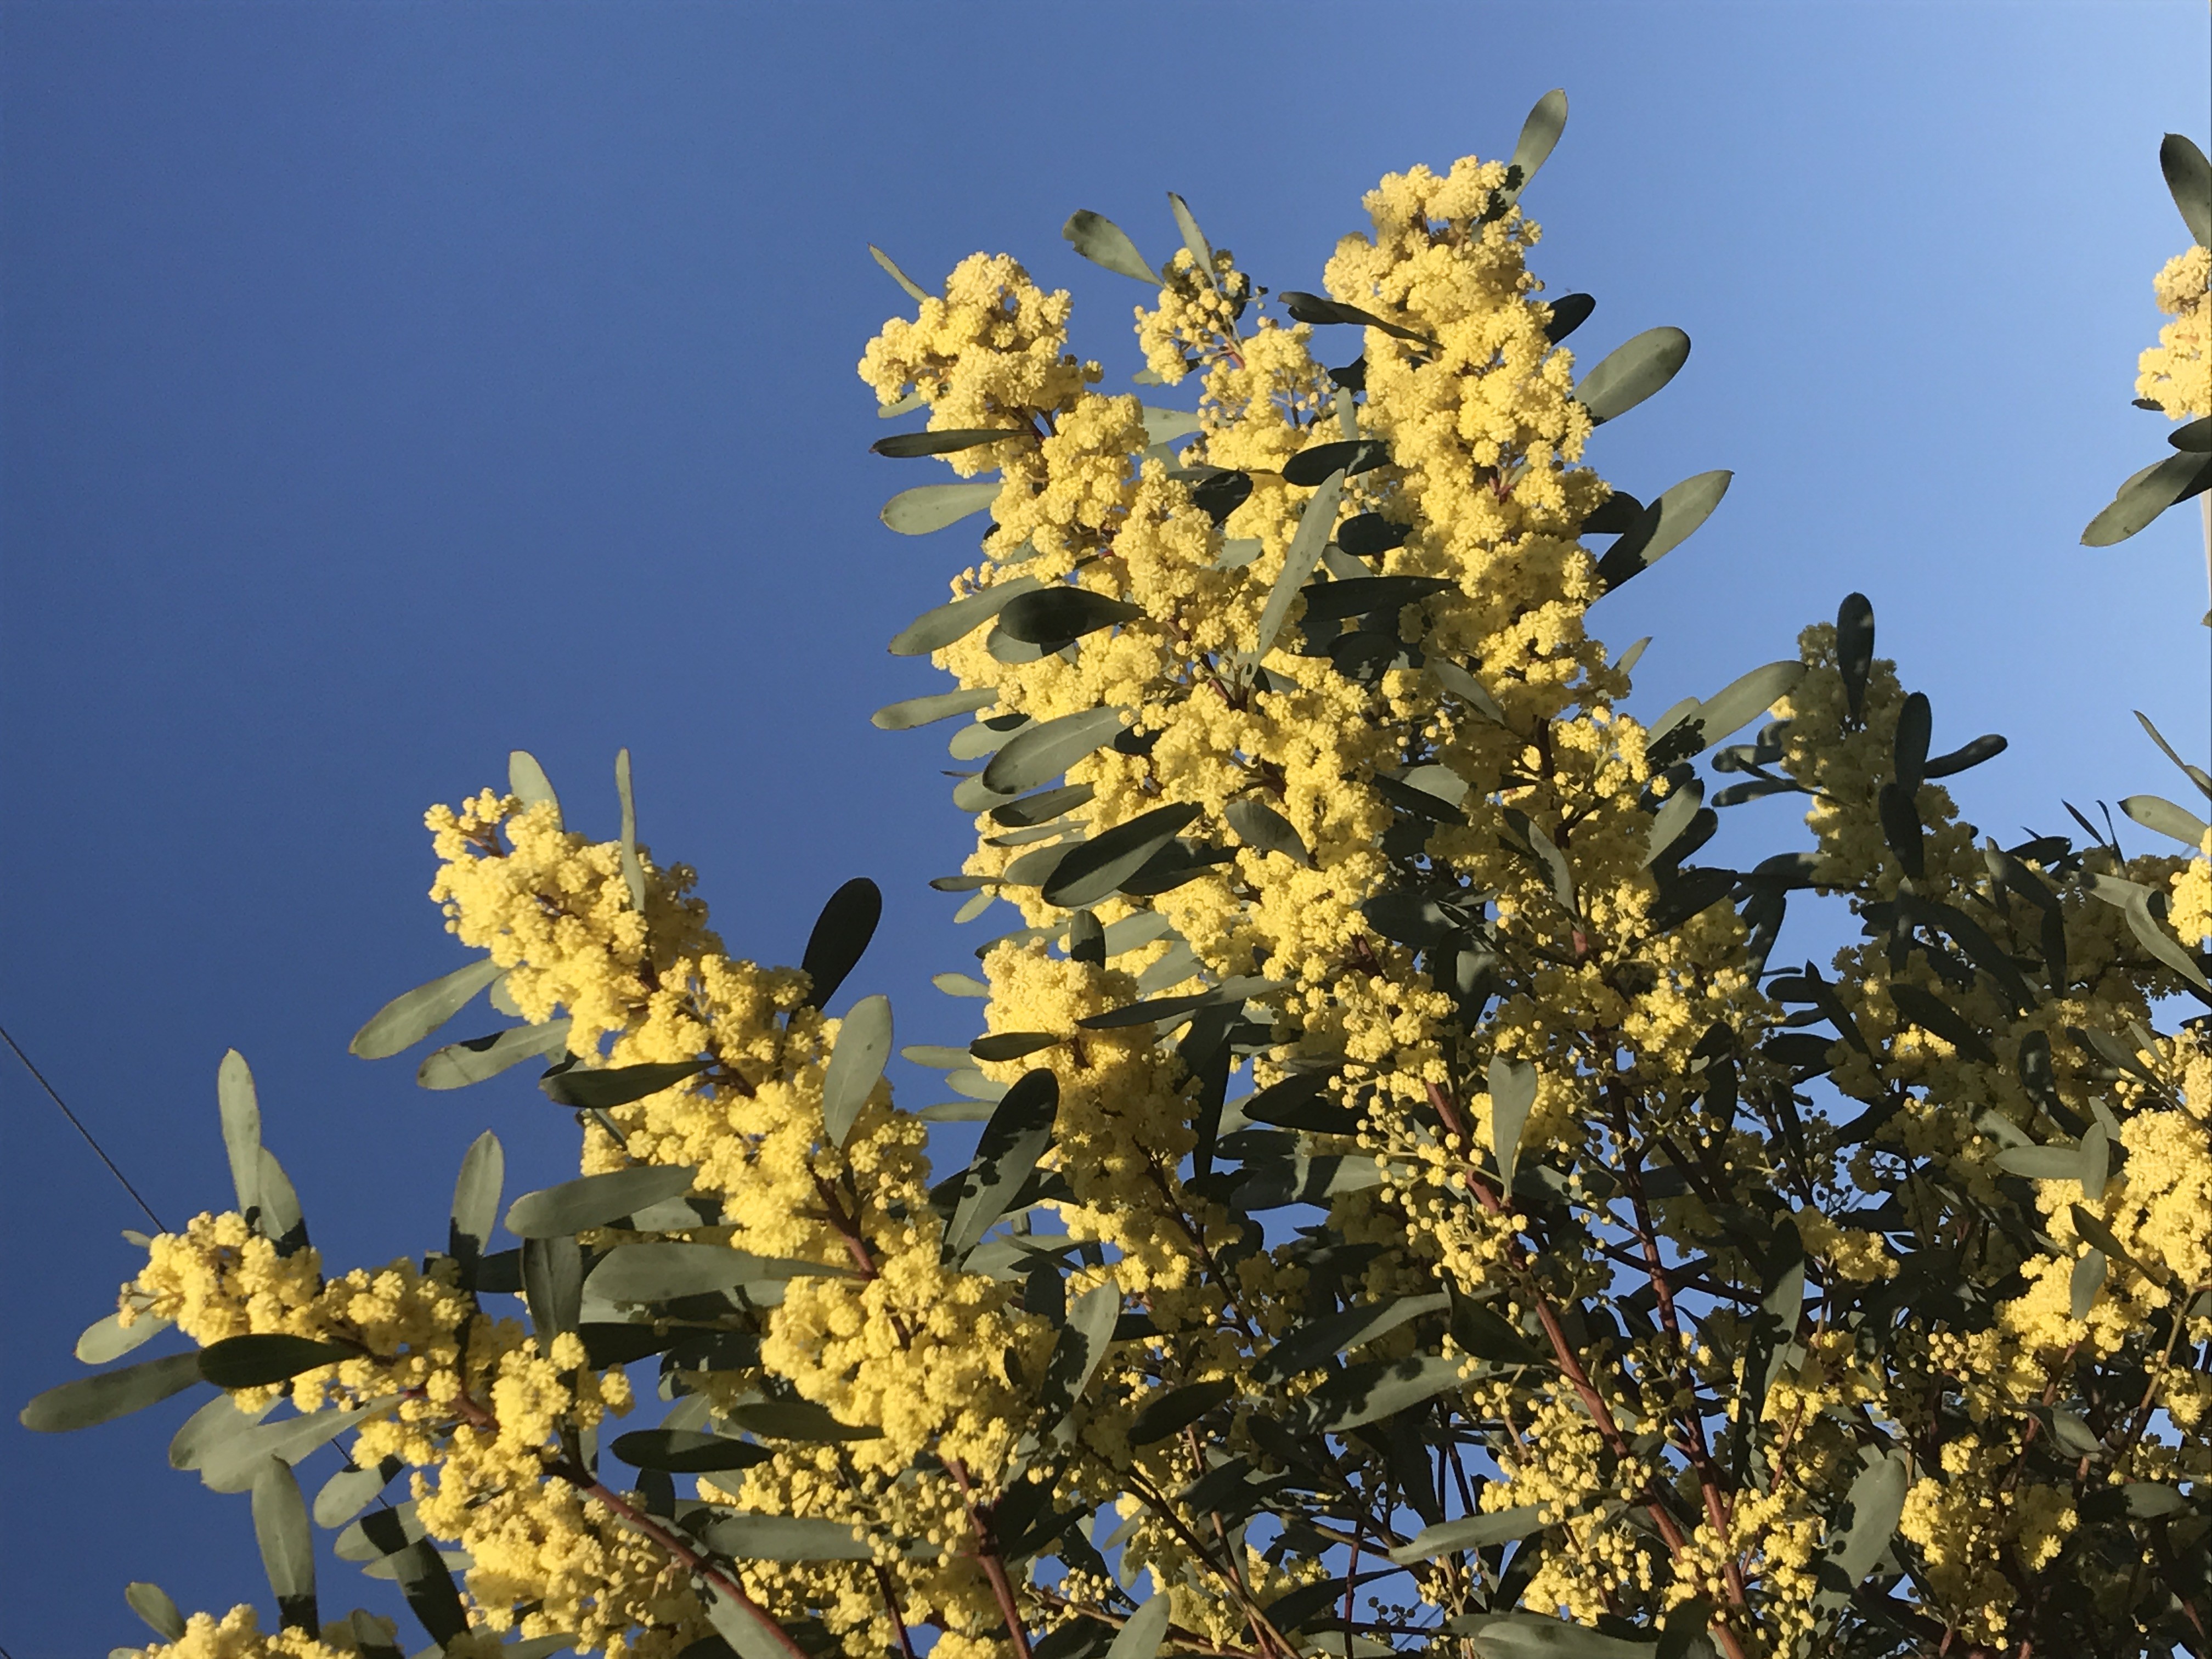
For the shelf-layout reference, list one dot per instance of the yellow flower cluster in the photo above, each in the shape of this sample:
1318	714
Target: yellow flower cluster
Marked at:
2176	374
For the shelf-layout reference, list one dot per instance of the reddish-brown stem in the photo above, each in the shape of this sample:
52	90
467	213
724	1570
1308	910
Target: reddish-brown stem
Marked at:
640	1522
994	1565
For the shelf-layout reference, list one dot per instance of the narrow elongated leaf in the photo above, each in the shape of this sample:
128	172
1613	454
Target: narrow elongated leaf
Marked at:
1258	826
954	621
667	1271
1468	689
278	1215
1037	754
1306	1181
2153	812
1078	1351
1663	526
856	1065
593	1089
1237	990
457	1065
688	1451
2152	936
1539	133
633	870
153	1604
1350	456
215	1425
1194	240
553	1280
1318	1341
840	936
1043	807
1102	242
1860	1535
1915	721
1013	1045
913	290
597	1200
1526	1636
933	506
1174	1409
407	1019
749	1632
928	711
287	1544
1988	746
1854	651
2197	774
797	1420
2041	1163
1569	312
430	1592
1930	1013
748	1537
106	1395
1469	1533
1146	1629
255	1361
2146	495
1361	595
2085	1281
1362	1394
1314	524
240	1109
1315	309
1015	1137
349	1491
1052	616
907	445
1693	726
1512	1096
1094	869
1673	822
476	1203
1632	372
2189	181
527	781
362	1542
110	1338
1164	426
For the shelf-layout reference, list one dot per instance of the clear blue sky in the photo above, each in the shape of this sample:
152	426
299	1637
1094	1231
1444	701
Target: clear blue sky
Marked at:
389	385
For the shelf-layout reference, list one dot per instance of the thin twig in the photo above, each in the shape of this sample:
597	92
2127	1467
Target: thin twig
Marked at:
74	1123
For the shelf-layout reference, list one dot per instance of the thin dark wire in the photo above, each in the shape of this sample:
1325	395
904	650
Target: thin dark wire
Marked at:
4	1654
89	1140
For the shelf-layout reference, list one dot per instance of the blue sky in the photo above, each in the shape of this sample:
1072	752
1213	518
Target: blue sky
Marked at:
389	385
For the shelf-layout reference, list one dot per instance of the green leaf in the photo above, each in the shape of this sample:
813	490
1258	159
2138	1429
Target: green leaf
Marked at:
840	935
1164	426
2193	436
1102	242
1488	1335
928	711
364	1541
1358	595
1541	848
596	1089
553	1282
257	1360
526	780
1539	133
2189	180
1315	525
960	985
667	1270
476	1203
2146	494
2197	774
796	1420
407	1019
1774	1328
110	1339
241	1111
1012	1045
1173	1410
287	1544
153	1604
1078	1351
1094	869
1262	828
1512	1096
1362	1394
986	737
2162	944
349	1491
1692	727
106	1395
1318	1341
1470	1532
1859	1536
1527	1636
933	506
207	1431
277	1217
749	1632
1052	617
1194	240
1684	806
457	1065
1315	309
1236	990
2168	819
1015	1137
1305	1181
907	445
2147	1500
1043	807
1146	1629
2091	1231
914	290
932	630
1662	527
597	1200
1468	689
1854	651
1302	1102
856	1065
1317	463
632	871
687	1451
1037	754
1915	721
1924	1009
745	1536
1632	372
2041	1163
